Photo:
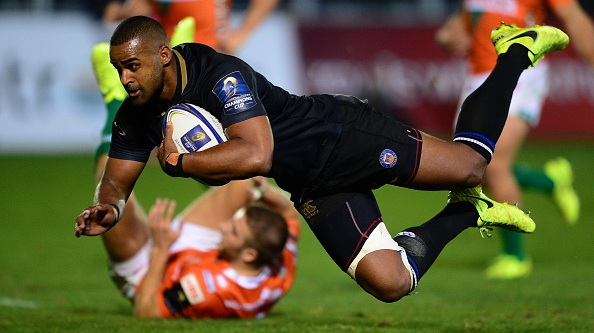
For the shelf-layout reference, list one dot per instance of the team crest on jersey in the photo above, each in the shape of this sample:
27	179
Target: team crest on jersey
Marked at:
308	210
388	158
234	93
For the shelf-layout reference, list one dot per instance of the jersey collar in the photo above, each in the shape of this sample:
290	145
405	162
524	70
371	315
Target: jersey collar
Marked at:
183	71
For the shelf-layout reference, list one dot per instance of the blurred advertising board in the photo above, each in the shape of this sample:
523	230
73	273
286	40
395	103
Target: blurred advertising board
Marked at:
401	71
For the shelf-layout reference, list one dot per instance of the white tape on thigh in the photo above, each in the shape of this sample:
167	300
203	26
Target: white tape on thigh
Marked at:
380	239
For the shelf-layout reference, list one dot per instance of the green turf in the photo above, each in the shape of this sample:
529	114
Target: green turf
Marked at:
51	281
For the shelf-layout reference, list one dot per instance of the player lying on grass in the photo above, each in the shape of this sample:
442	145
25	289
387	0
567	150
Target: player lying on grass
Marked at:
226	255
329	151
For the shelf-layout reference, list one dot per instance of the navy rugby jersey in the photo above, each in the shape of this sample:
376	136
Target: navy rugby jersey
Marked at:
305	128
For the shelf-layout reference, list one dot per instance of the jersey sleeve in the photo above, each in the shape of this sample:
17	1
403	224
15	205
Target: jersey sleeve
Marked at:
236	91
222	84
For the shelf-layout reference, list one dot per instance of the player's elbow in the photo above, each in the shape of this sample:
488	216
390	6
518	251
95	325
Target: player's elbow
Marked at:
260	164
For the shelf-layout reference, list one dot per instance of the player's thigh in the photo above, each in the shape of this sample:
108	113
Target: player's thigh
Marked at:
350	228
129	235
446	165
342	223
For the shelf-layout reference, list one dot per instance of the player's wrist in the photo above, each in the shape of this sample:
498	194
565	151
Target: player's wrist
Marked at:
257	193
258	190
173	165
117	213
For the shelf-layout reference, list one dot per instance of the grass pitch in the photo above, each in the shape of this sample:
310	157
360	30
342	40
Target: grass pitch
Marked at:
51	281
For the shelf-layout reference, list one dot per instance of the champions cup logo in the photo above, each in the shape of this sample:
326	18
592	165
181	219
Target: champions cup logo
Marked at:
388	158
198	136
195	139
230	86
234	93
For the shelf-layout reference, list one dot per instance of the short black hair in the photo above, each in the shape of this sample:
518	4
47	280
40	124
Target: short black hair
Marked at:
142	27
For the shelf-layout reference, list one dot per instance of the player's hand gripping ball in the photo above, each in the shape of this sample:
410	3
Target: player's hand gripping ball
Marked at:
194	130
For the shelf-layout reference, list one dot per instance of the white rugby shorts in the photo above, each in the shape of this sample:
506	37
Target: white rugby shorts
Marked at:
128	274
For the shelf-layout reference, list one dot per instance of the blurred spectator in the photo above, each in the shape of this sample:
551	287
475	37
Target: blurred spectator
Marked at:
467	34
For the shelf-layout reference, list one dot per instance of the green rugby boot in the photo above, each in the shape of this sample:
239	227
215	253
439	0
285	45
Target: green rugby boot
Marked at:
183	32
538	40
566	199
107	76
508	267
493	213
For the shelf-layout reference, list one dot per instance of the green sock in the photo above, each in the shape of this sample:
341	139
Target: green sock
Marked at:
532	178
513	243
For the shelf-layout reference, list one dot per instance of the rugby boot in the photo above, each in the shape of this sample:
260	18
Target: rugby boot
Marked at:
493	213
538	40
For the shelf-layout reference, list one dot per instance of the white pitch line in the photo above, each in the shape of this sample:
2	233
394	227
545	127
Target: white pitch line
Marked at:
17	303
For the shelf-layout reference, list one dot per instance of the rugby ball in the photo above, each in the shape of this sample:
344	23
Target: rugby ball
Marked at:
194	129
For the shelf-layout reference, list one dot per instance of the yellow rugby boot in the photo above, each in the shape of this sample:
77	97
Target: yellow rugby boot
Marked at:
538	40
493	213
565	198
508	267
183	32
107	76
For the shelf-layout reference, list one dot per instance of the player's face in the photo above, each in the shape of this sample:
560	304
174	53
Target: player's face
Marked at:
141	70
235	232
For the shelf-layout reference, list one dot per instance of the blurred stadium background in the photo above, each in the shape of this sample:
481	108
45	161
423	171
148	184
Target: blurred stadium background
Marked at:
381	50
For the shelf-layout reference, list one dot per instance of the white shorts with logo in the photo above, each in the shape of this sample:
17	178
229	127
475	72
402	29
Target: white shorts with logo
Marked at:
128	274
528	97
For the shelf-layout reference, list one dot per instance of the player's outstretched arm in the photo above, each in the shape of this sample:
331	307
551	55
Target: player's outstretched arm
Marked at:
110	197
580	28
256	12
116	10
452	37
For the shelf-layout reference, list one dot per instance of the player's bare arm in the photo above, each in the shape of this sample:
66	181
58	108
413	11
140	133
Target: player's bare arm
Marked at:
452	37
247	153
160	217
256	12
110	197
580	29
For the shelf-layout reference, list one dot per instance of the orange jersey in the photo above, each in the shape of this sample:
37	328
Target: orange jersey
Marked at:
482	16
211	17
197	284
